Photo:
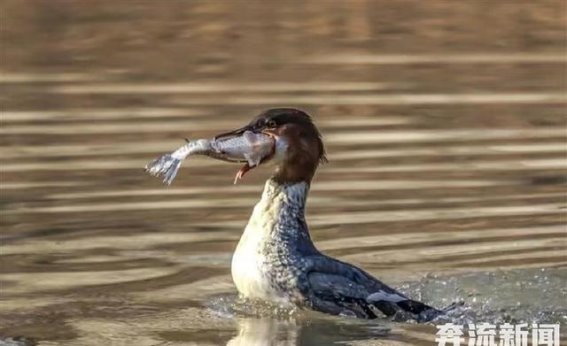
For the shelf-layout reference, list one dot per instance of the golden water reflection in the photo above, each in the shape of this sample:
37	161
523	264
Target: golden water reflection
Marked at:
445	128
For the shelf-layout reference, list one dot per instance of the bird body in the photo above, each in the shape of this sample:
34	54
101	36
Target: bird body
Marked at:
275	259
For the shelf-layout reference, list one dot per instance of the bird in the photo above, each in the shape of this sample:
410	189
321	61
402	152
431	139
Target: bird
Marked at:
276	260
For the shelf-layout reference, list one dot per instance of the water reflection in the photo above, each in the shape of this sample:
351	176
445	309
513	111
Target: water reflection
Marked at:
266	332
274	332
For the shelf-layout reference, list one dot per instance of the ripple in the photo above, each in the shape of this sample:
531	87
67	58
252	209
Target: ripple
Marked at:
389	99
469	58
258	87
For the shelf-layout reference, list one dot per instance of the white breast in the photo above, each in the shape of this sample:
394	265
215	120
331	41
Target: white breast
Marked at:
248	269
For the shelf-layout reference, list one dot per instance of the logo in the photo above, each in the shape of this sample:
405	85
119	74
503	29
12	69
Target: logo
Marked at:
485	334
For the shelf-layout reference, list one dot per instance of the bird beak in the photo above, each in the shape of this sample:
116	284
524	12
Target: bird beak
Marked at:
234	133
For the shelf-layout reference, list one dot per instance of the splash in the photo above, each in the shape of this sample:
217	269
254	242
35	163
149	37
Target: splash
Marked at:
514	296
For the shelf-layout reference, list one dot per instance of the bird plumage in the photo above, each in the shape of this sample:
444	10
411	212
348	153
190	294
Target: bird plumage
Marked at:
276	260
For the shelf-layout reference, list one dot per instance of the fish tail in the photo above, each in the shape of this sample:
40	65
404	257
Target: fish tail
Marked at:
165	166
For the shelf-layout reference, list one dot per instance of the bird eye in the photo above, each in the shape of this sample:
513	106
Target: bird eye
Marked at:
271	123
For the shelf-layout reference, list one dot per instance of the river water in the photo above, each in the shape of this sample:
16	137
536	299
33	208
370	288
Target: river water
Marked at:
445	129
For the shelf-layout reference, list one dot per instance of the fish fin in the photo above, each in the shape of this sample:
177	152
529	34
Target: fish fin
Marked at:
165	166
252	161
243	170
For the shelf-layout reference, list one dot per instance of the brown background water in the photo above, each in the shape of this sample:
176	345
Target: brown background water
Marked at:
445	127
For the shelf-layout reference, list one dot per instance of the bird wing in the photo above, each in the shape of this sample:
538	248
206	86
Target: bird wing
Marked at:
338	287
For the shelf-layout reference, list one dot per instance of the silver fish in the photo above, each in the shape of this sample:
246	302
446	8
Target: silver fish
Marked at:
249	147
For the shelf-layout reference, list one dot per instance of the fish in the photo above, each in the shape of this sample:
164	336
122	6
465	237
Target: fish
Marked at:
249	147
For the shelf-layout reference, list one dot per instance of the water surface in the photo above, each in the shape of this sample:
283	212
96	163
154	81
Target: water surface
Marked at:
445	129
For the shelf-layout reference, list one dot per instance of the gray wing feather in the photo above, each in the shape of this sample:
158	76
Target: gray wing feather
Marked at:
337	287
361	282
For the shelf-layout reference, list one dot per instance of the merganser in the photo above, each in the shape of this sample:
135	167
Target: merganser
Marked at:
276	260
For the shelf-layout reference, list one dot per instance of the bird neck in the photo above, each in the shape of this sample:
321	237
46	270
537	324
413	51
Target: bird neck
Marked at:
288	196
279	216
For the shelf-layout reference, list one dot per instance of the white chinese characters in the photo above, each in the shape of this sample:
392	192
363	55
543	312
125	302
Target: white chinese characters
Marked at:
486	334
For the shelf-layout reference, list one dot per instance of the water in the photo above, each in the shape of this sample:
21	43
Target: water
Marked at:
445	130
